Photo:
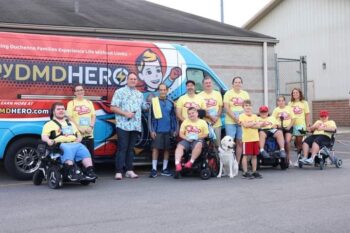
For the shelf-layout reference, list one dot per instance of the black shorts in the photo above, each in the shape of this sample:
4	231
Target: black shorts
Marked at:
287	131
268	132
321	140
162	141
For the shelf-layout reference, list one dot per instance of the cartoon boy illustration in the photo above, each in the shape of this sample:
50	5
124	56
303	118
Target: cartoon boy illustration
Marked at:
149	69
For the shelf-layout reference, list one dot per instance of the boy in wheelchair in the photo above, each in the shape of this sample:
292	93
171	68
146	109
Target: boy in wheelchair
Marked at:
321	140
193	132
61	135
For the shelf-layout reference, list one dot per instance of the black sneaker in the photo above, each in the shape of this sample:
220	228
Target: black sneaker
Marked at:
166	172
153	174
257	175
247	175
74	174
90	174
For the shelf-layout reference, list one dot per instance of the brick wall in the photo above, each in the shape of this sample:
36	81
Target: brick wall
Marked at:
339	111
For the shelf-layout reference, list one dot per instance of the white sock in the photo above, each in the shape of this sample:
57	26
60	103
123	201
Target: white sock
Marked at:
282	148
165	164
177	162
192	161
262	149
154	164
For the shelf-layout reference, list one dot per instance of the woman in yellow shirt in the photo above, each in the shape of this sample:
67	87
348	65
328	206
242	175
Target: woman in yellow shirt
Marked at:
82	113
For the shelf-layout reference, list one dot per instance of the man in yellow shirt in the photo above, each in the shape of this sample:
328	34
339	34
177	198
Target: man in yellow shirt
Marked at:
250	139
213	102
61	130
322	133
189	100
192	132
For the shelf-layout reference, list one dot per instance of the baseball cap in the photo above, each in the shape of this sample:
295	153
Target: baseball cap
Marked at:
263	109
324	113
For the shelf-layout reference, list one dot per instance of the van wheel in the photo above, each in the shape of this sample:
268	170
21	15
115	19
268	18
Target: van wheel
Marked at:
22	158
38	177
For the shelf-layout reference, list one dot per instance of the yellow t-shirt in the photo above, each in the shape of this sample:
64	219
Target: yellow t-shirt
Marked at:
81	111
69	132
198	128
185	102
213	102
327	124
300	108
287	114
235	102
270	120
249	134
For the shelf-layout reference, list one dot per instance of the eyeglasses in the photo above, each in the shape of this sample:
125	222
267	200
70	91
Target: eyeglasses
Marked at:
78	90
60	109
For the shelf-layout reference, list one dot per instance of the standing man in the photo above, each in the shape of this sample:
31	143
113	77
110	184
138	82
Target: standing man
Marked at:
189	100
126	104
213	102
162	125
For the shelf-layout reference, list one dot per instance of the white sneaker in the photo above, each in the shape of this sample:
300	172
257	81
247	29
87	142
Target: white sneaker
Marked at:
309	160
131	174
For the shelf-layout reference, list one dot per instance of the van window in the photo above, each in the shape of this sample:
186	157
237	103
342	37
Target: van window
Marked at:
197	76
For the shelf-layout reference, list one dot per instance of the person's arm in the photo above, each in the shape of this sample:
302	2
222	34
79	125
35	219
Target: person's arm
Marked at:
230	113
118	111
182	134
46	139
179	114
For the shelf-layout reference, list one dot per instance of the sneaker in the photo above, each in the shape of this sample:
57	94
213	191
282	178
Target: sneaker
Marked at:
302	159
246	175
283	154
153	174
74	174
188	165
90	174
166	172
178	167
131	174
257	175
264	154
118	176
309	160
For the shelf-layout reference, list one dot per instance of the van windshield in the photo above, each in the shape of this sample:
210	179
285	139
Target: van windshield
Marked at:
197	76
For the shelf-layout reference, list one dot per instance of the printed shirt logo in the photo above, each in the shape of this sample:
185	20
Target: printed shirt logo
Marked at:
193	129
284	115
297	110
210	102
191	104
81	110
237	101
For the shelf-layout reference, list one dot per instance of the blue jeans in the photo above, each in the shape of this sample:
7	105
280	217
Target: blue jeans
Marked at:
125	150
234	130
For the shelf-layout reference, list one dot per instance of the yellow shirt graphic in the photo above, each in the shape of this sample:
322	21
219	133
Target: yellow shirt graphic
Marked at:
249	134
287	114
300	108
213	102
327	124
199	128
235	102
185	102
81	112
68	132
270	121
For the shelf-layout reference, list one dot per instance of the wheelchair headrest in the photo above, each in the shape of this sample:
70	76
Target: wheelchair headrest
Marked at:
201	113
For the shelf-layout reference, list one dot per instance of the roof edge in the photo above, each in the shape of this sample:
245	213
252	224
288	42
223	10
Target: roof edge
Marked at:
89	31
261	14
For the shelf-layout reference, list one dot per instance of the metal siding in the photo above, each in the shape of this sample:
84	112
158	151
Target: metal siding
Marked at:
319	29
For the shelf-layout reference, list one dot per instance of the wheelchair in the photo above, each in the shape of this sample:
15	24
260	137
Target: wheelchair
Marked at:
52	170
272	148
325	154
207	164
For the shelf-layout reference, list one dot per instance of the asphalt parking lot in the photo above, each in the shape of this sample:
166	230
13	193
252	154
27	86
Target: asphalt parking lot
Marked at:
295	200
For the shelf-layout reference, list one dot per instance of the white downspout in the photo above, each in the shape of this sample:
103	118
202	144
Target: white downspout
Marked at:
266	89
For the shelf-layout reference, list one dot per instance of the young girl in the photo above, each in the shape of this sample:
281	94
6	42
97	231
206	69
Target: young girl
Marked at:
285	119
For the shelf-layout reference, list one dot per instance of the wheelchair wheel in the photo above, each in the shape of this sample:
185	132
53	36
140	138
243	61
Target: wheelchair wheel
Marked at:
321	163
213	164
38	177
205	174
300	164
338	163
54	178
284	163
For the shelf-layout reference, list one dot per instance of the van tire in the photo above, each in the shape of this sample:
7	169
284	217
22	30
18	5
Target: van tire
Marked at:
22	158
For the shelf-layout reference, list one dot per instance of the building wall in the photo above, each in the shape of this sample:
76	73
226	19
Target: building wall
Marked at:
320	30
338	110
230	60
